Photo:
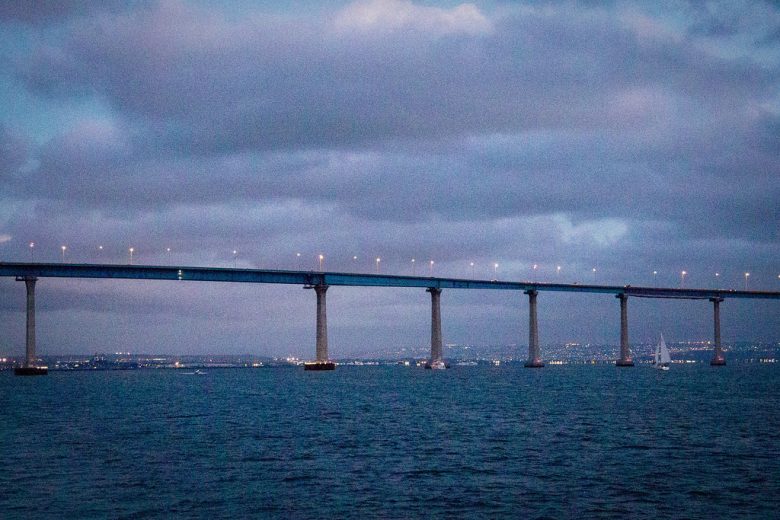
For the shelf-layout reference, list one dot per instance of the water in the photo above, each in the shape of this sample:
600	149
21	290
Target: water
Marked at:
393	442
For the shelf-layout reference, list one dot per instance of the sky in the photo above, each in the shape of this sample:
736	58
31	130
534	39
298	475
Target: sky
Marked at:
639	139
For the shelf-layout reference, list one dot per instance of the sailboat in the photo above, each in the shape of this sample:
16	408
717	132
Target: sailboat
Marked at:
661	359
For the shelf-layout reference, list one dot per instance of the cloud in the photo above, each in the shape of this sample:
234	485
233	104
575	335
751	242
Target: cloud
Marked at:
14	153
43	12
385	16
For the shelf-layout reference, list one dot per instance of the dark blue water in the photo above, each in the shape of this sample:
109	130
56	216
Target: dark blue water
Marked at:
393	442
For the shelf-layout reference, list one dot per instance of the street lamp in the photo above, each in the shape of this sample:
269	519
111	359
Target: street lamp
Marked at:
431	267
594	275
655	275
63	253
131	250
535	266
558	271
495	269
414	268
32	251
377	264
747	275
472	269
682	279
235	258
321	257
298	256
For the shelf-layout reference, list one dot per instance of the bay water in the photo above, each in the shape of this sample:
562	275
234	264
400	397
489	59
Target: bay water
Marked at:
572	441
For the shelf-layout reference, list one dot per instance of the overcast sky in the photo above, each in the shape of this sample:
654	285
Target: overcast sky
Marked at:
629	137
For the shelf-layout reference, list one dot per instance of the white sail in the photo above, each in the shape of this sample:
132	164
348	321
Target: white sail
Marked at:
665	359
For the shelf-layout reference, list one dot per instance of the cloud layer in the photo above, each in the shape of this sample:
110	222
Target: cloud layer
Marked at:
615	136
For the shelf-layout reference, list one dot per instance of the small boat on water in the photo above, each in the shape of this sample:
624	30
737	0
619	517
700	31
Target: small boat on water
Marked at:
662	359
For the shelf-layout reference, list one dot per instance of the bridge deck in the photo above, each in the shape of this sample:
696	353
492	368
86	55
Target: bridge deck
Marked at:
272	276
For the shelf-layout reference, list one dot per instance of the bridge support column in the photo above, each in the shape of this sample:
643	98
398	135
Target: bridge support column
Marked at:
718	359
322	362
534	355
30	361
436	361
625	351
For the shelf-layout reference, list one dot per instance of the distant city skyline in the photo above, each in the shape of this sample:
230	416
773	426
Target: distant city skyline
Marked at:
616	143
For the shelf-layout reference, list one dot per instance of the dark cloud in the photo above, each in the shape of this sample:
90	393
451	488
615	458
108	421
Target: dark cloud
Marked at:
14	152
44	12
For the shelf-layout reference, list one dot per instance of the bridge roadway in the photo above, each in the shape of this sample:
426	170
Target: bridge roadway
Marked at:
320	281
313	278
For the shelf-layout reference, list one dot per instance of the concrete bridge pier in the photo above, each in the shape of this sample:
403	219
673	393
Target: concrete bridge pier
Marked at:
625	351
30	367
322	362
534	355
718	359
436	362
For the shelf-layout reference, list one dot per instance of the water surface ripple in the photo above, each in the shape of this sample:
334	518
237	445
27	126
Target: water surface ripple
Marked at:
393	442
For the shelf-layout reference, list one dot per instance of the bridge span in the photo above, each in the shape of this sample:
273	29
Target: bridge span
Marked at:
321	281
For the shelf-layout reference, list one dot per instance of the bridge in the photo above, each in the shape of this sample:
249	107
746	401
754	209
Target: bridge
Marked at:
321	281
